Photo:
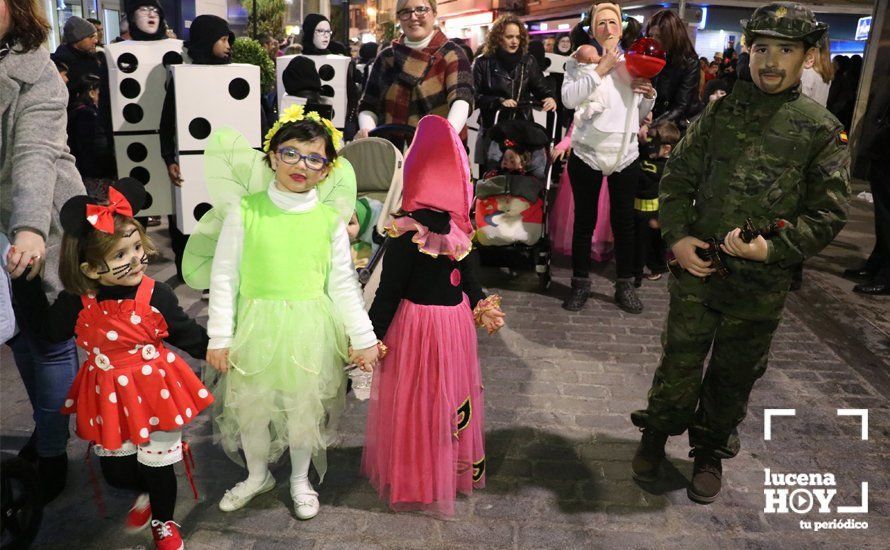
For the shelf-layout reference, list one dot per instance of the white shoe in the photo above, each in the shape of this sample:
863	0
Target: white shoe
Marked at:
305	501
238	496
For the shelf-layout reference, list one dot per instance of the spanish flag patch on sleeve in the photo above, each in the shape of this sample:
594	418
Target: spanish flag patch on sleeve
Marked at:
842	137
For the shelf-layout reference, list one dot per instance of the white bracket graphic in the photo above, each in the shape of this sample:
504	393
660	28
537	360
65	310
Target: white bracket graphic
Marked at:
862	508
862	413
768	415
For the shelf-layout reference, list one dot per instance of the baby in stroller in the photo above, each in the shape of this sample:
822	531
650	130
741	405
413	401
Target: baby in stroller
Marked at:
509	202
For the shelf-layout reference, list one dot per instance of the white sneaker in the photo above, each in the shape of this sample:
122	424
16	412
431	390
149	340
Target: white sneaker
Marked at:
305	500
238	496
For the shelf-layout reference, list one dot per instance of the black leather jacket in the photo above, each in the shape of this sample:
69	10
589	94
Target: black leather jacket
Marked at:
677	89
493	84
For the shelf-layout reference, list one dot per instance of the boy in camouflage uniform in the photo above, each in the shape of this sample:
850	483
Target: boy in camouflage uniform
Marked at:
765	152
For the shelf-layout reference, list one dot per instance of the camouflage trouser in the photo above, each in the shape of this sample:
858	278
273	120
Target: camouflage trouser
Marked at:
712	407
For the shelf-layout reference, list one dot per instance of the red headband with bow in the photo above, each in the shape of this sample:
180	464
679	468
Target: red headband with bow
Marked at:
102	217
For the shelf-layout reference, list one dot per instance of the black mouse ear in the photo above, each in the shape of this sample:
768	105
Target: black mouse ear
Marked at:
133	190
73	216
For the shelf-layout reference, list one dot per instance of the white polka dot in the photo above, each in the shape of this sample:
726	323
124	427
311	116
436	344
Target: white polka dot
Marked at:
178	420
91	421
163	372
104	312
165	393
188	412
135	319
171	357
112	335
119	301
202	393
156	310
154	421
98	390
139	398
96	351
123	380
143	432
85	344
69	403
112	397
146	369
98	419
178	383
87	325
91	367
126	412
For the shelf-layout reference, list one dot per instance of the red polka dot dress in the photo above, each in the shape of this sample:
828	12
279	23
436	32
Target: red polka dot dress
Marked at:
130	385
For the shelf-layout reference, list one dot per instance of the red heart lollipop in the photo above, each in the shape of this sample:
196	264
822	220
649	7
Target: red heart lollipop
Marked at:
645	58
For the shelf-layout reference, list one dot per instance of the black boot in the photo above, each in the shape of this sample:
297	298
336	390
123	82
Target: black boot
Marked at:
626	297
29	450
649	455
707	476
579	296
53	472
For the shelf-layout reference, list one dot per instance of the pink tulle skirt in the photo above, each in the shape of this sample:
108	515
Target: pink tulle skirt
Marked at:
561	220
424	440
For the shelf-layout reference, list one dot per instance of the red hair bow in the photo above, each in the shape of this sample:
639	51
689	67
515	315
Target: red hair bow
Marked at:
102	217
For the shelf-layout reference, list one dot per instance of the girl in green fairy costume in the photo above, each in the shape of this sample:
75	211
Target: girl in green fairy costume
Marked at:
284	301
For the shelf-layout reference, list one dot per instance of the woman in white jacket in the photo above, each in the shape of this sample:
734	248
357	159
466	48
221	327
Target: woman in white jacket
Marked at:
605	146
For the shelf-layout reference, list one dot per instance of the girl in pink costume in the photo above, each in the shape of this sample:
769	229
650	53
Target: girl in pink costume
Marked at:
562	215
424	440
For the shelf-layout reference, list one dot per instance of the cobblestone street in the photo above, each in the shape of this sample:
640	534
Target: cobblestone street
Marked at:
559	390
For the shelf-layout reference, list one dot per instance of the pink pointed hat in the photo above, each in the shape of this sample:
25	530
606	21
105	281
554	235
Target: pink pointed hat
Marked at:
437	172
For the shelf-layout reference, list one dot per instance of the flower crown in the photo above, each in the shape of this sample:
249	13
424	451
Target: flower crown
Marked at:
295	113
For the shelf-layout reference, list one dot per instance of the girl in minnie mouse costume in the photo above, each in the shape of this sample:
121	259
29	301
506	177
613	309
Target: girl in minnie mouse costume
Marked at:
132	395
424	437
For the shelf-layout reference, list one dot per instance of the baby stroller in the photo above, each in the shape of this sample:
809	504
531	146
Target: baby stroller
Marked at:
511	207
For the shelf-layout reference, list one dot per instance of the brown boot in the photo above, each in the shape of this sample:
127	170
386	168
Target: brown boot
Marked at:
707	475
649	455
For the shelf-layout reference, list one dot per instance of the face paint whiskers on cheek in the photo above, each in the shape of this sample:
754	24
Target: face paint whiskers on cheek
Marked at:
124	270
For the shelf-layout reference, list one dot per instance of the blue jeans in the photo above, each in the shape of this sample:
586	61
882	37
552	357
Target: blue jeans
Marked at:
48	370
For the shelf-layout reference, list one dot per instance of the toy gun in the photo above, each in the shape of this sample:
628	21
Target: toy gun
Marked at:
716	256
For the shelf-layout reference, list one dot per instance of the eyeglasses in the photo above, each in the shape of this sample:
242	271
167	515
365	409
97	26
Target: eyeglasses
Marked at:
148	10
291	156
324	32
420	11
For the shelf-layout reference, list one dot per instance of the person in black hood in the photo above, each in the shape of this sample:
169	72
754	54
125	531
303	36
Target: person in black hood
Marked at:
146	20
316	35
210	43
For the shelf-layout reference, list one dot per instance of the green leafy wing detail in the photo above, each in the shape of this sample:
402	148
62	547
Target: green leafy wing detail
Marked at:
338	189
232	170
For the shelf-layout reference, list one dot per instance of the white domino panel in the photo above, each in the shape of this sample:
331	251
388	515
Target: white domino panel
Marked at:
191	198
139	156
334	73
137	73
209	97
557	63
215	96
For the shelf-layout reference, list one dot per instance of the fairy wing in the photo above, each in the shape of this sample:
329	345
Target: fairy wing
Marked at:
339	188
232	170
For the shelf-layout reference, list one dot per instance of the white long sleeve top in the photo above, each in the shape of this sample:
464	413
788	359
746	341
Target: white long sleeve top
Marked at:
598	141
342	285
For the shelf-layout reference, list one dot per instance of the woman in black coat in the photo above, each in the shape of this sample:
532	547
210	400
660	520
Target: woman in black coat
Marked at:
506	75
677	84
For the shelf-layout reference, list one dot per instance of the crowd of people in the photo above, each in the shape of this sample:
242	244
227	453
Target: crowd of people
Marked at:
643	154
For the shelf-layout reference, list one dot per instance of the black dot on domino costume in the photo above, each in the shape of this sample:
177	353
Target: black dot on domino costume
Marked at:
148	201
326	72
201	209
130	88
141	174
171	58
127	62
133	113
327	90
137	152
199	128
239	88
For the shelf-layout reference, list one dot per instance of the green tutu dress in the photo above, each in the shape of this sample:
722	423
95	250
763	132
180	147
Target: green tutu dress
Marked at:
289	346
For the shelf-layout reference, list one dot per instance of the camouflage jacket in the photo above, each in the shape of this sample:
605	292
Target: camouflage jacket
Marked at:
766	157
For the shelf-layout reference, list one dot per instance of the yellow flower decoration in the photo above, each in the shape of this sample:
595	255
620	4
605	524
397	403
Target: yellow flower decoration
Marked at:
295	113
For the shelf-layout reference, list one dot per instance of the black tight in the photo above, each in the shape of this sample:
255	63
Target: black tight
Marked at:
124	472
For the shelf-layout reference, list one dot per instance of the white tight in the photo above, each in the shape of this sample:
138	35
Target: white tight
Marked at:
256	442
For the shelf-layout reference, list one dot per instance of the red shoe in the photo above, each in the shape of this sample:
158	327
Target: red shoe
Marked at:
166	535
139	515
